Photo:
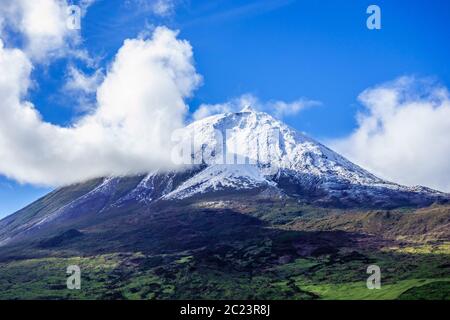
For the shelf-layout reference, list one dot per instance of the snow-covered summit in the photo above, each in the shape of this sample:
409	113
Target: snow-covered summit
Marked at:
247	108
252	137
277	152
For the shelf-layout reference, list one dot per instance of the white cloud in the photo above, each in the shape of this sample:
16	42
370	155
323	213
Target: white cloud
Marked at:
43	25
163	7
404	135
79	81
139	103
278	108
206	110
234	105
83	87
283	109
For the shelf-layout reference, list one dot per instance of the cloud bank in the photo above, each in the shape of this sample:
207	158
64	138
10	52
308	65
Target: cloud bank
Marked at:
139	103
404	133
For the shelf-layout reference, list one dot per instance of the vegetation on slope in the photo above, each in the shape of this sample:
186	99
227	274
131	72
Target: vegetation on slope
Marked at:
240	250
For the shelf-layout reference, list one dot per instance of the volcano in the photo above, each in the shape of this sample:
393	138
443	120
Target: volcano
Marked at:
244	180
232	155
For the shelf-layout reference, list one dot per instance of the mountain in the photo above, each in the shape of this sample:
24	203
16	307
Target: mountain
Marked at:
244	154
255	209
274	156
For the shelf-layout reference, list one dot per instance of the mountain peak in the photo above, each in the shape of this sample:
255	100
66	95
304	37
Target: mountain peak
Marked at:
247	108
258	139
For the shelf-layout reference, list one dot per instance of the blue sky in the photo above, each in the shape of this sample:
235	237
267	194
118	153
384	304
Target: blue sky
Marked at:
275	50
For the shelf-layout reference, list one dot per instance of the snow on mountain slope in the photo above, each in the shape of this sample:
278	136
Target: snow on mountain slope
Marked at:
271	143
151	187
249	139
99	195
221	177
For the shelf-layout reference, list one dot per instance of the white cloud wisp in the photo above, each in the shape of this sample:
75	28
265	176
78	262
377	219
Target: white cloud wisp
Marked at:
278	108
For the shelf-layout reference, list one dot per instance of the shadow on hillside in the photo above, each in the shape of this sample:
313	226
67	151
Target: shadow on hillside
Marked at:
214	254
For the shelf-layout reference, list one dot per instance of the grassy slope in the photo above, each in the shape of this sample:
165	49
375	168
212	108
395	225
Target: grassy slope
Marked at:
136	276
420	225
249	253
